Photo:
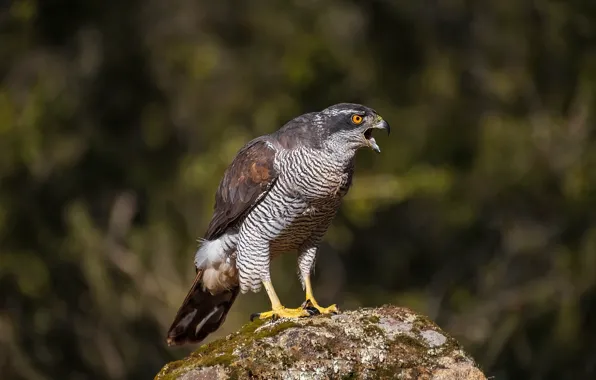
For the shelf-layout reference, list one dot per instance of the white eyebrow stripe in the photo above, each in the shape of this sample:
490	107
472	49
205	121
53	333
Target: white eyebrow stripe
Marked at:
342	111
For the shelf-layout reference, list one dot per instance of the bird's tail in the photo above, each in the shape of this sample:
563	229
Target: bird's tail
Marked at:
201	313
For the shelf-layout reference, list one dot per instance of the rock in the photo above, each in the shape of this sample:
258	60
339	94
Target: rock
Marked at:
381	343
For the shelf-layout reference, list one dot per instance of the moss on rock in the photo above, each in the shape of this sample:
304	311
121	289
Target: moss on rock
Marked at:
381	343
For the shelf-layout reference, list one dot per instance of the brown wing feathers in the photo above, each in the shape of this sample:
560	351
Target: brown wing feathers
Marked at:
249	176
246	180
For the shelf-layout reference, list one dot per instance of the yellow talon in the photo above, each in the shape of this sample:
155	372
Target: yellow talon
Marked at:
278	310
281	312
312	303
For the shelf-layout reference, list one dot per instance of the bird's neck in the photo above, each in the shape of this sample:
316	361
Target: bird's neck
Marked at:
340	154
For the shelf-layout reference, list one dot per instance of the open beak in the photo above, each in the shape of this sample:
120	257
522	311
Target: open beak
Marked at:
380	124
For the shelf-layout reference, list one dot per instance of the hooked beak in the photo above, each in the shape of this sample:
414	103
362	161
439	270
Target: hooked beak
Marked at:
380	124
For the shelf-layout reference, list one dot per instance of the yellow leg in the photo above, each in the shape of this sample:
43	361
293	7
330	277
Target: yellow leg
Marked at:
311	301
277	309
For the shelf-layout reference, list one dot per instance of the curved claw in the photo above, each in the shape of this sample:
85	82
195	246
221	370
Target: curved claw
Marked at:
313	308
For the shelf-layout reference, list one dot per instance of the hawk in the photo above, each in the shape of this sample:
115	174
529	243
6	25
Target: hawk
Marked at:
279	194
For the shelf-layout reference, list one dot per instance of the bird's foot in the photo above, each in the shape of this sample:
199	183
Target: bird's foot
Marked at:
282	312
314	308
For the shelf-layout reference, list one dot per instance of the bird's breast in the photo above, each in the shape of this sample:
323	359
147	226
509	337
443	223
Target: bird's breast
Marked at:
314	176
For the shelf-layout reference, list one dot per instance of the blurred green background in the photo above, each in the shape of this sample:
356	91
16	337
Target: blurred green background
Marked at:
117	120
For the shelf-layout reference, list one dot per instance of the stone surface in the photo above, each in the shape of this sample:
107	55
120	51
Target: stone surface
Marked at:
382	343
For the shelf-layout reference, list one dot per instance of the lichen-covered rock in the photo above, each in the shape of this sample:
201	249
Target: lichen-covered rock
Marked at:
383	343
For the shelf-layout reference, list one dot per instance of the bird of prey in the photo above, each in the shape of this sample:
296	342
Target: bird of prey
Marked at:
279	194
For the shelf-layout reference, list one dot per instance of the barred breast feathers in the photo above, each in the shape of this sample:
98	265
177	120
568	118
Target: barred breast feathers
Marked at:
315	174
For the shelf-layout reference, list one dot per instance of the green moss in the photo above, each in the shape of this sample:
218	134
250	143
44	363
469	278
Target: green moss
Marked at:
449	346
221	352
415	348
251	327
169	372
173	365
370	325
225	345
373	330
374	319
206	348
388	371
166	376
223	359
422	323
275	330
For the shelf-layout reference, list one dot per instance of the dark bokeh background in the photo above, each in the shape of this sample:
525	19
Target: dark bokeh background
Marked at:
117	119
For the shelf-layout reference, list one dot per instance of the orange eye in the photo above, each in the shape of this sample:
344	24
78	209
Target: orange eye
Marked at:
357	119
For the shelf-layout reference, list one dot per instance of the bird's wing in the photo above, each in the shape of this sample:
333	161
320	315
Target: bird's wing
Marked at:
248	178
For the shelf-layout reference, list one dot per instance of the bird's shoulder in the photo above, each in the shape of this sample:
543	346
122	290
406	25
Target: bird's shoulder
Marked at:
249	176
300	132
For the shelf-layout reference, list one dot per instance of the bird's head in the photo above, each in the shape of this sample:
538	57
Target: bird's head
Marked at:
343	128
351	126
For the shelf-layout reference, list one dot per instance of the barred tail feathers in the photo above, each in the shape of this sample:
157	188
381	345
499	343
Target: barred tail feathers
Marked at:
201	313
211	296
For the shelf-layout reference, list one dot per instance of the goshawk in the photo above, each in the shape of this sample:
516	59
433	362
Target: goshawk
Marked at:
279	194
